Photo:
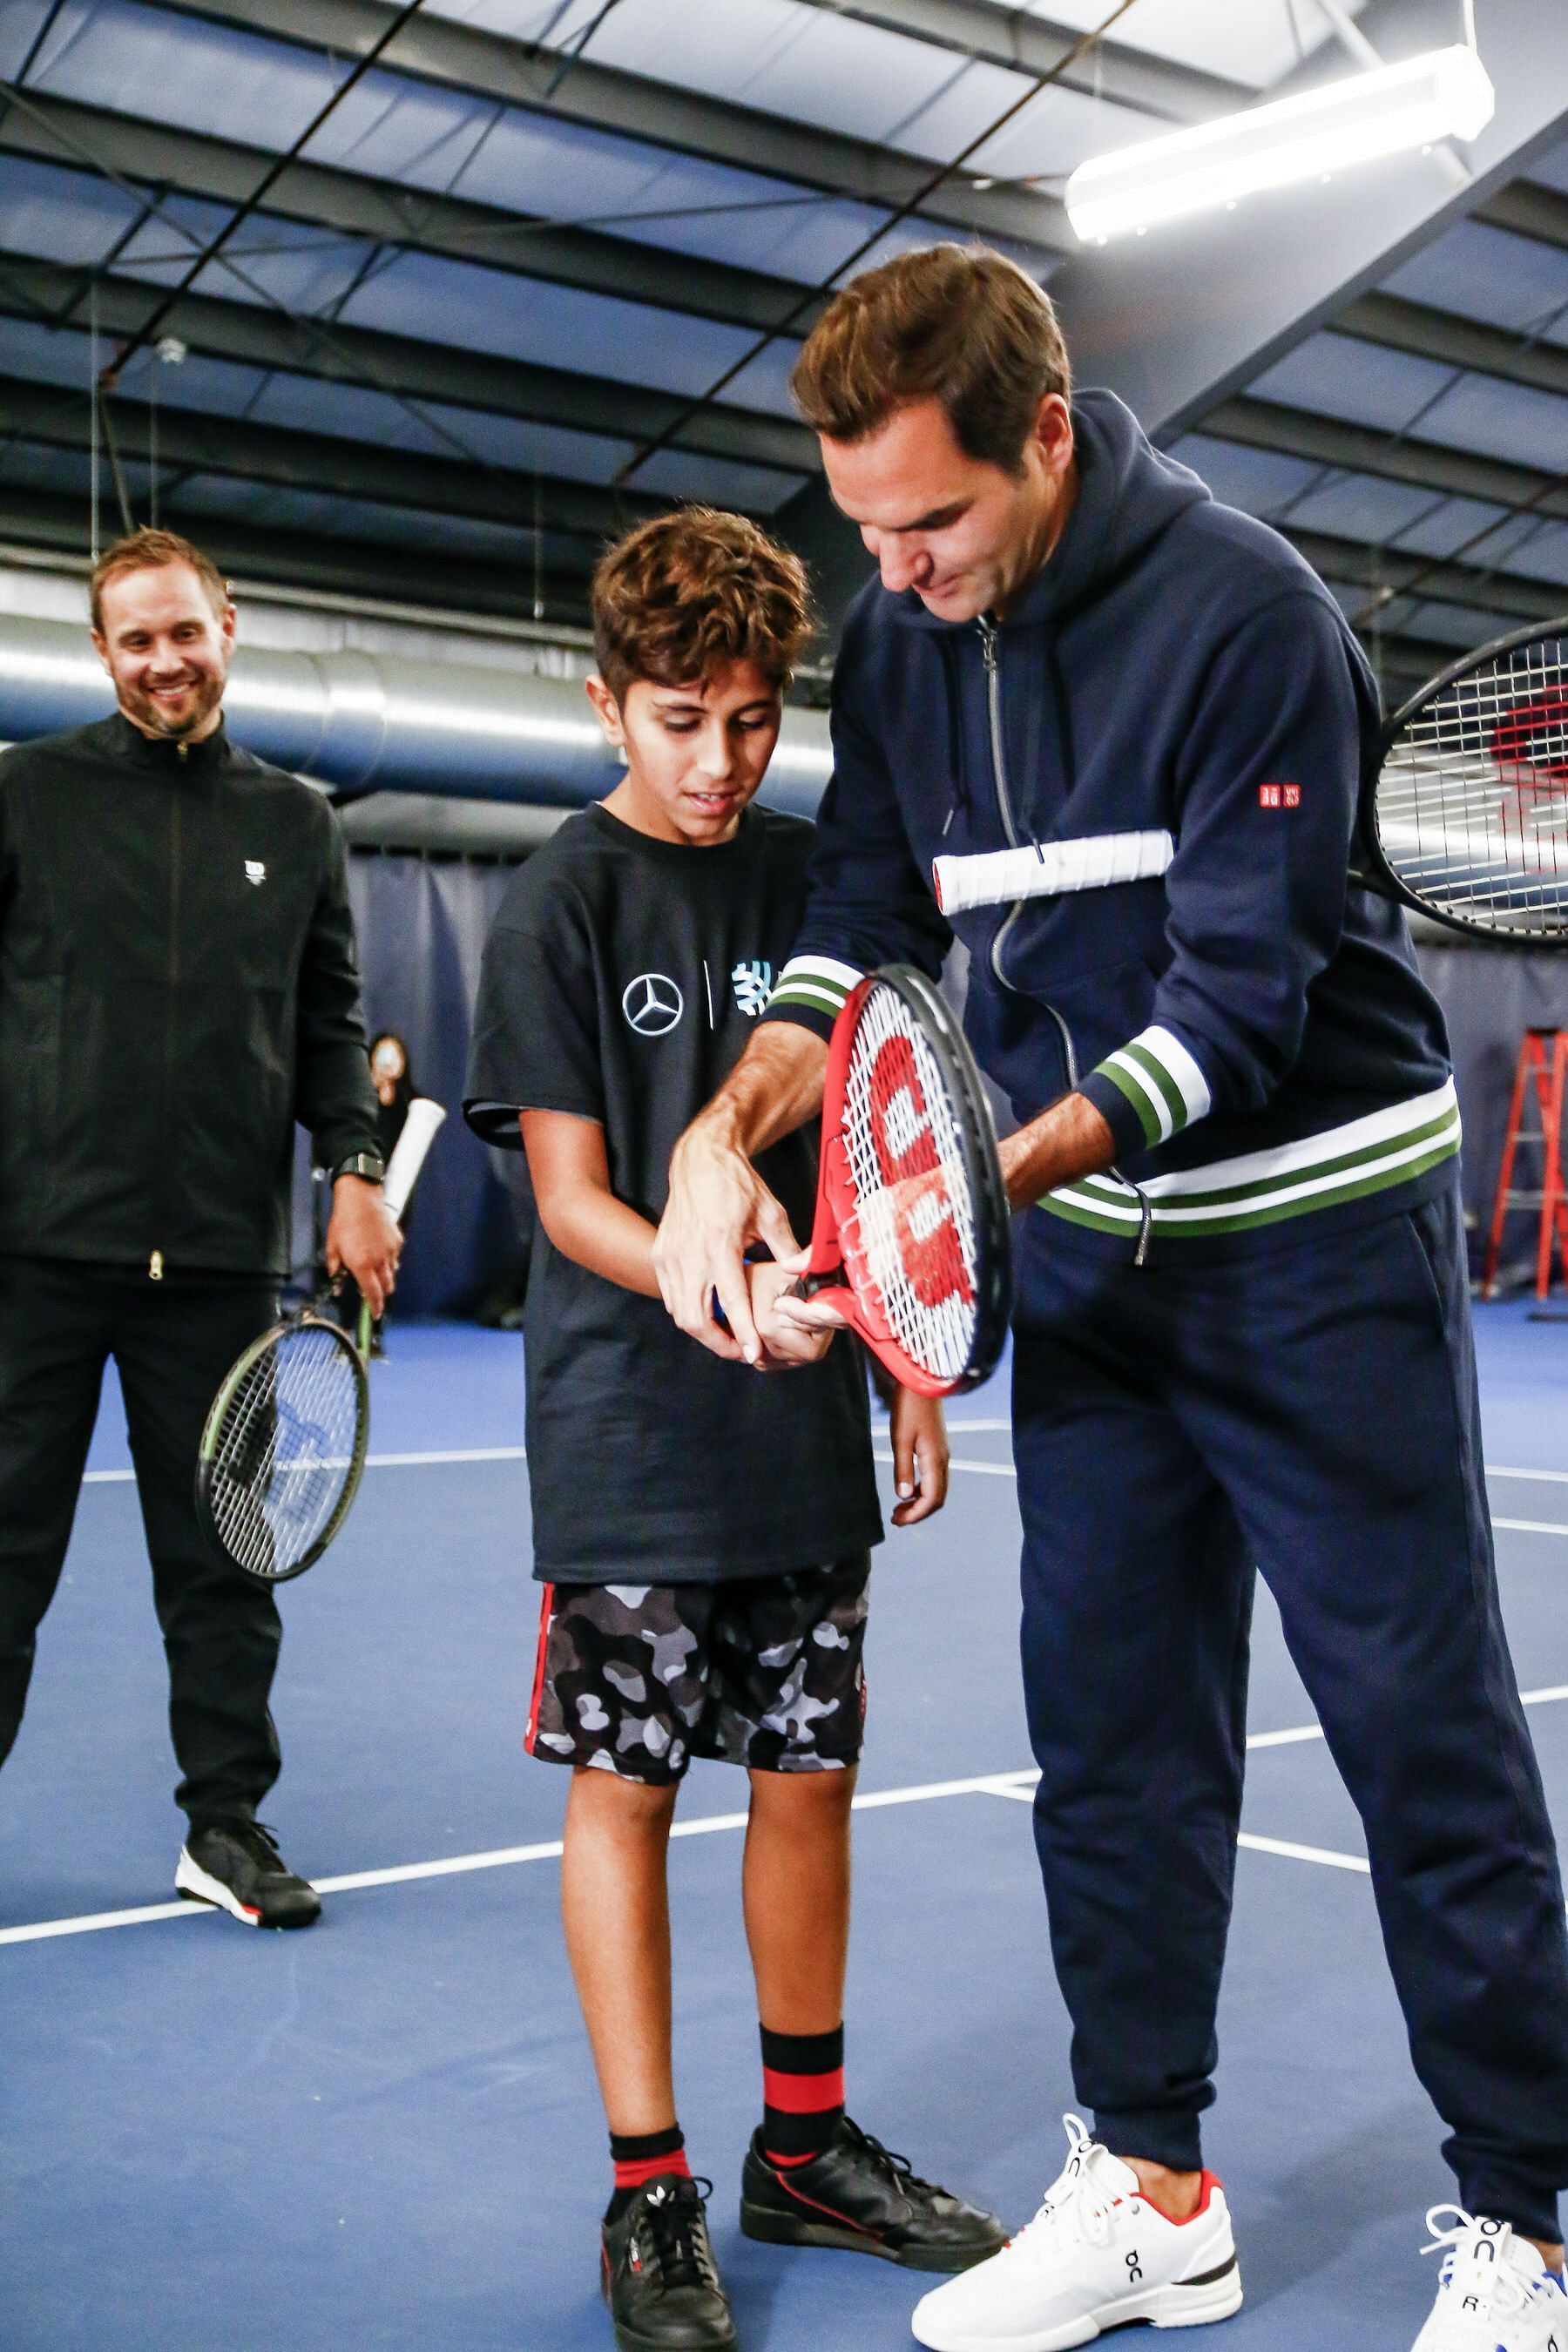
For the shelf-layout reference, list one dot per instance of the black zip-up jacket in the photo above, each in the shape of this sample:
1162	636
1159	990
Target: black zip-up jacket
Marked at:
177	987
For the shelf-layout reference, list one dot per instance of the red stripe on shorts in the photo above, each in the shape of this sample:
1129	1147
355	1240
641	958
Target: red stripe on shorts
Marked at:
802	2095
546	1615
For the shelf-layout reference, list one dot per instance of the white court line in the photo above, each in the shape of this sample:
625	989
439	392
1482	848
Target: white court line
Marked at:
1531	1526
371	1462
1018	1785
1552	1478
1255	1844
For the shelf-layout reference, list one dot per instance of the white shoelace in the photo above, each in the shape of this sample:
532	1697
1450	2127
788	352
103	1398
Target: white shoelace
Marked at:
1460	2243
1078	2210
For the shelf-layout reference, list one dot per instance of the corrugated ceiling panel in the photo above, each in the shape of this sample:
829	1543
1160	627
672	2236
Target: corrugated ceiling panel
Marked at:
1486	273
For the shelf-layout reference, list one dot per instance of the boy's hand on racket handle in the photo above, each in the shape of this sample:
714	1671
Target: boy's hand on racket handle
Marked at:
789	1337
919	1456
365	1239
718	1207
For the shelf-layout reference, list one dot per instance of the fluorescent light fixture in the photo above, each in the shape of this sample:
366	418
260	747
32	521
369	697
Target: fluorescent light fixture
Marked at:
1445	94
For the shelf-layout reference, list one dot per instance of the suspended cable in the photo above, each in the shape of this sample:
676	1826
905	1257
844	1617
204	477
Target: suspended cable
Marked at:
268	180
928	188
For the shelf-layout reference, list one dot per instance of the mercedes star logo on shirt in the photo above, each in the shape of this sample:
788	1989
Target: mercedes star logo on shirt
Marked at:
652	1003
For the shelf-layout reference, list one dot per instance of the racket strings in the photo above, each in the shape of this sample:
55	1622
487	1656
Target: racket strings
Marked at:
1472	803
286	1448
914	1229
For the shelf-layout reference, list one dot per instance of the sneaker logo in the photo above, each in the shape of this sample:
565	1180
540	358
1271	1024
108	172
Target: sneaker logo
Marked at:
1135	2271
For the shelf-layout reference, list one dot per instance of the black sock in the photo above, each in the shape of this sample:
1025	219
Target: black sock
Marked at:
803	2094
642	2156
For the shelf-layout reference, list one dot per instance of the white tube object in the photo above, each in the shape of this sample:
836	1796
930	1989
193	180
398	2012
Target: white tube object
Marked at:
419	1131
1000	876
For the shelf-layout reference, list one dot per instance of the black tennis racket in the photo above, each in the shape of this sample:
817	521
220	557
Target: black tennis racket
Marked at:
284	1446
1465	816
912	1213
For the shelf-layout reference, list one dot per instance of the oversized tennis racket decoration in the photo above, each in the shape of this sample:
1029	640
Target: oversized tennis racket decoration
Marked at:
285	1442
912	1215
1466	812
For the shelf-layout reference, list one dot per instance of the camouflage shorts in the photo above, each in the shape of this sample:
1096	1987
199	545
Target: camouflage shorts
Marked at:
638	1678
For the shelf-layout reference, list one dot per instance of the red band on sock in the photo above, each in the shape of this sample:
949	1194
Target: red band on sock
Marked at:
802	2094
649	2168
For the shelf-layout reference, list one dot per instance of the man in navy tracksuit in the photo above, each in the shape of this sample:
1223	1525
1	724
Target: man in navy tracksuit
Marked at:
1242	1329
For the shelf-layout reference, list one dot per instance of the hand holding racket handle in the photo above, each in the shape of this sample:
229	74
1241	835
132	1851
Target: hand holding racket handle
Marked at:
284	1444
911	1221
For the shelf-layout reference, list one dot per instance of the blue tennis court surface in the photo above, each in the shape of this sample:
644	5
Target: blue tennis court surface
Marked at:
385	2134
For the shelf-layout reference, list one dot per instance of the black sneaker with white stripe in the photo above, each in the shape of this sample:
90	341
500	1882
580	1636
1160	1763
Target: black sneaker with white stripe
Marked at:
236	1867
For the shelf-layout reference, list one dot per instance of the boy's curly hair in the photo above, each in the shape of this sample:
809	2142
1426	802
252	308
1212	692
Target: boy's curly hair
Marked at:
682	595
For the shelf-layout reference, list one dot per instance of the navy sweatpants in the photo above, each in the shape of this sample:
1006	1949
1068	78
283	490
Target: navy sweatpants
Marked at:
1310	1408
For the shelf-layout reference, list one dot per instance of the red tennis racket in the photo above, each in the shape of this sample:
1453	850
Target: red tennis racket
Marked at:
911	1214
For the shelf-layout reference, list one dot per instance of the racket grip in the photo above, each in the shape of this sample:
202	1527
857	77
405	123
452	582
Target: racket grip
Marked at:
365	1327
806	1286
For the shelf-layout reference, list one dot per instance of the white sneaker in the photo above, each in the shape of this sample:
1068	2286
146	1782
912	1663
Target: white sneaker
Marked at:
1496	2294
1097	2255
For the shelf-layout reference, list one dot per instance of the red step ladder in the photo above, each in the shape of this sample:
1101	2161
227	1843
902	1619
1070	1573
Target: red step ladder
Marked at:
1542	1068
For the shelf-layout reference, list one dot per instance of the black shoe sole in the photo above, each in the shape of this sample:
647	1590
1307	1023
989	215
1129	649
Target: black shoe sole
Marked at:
774	2229
632	2339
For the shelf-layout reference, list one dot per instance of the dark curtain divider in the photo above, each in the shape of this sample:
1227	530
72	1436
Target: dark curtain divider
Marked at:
1490	997
422	924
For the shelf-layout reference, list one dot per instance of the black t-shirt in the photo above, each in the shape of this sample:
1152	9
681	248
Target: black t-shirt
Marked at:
621	983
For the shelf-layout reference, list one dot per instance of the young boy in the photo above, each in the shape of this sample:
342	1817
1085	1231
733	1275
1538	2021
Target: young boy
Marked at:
702	1533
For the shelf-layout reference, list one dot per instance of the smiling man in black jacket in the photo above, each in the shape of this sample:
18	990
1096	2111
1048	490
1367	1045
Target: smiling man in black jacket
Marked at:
177	987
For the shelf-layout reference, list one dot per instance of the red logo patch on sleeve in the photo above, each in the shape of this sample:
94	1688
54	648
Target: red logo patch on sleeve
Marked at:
1278	795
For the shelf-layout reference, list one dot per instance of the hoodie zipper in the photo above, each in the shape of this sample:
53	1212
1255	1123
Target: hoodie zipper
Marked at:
155	1262
990	654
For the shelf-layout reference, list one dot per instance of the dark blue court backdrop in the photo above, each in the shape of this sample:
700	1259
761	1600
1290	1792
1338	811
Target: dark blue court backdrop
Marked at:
422	925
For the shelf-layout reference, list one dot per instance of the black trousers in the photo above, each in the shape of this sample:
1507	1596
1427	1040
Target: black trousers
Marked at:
1310	1408
59	1324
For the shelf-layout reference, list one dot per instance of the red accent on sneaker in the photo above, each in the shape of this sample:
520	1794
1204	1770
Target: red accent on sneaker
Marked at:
788	2163
649	2168
1207	2183
802	2095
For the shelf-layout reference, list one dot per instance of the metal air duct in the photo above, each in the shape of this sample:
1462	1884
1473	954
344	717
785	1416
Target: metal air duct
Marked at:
372	722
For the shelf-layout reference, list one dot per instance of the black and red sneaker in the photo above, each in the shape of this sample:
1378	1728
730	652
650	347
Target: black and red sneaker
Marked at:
859	2196
659	2274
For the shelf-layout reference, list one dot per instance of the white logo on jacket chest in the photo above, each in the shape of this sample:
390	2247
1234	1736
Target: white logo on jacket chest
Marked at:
256	871
753	984
652	1003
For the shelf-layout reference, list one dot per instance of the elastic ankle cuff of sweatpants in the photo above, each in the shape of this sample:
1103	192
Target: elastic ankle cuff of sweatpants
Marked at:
1501	2192
1155	2135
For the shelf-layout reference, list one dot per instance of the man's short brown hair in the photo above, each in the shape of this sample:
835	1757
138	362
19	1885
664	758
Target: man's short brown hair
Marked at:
682	595
956	323
148	551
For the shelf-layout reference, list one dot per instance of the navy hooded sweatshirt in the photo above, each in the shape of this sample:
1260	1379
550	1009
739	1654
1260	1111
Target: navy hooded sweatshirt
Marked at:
1250	1023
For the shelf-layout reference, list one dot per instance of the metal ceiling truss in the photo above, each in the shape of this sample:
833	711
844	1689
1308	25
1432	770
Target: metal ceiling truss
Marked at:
995	35
312	560
389	212
505	71
1455	342
1392	457
190	441
405	367
1527	209
1477	587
